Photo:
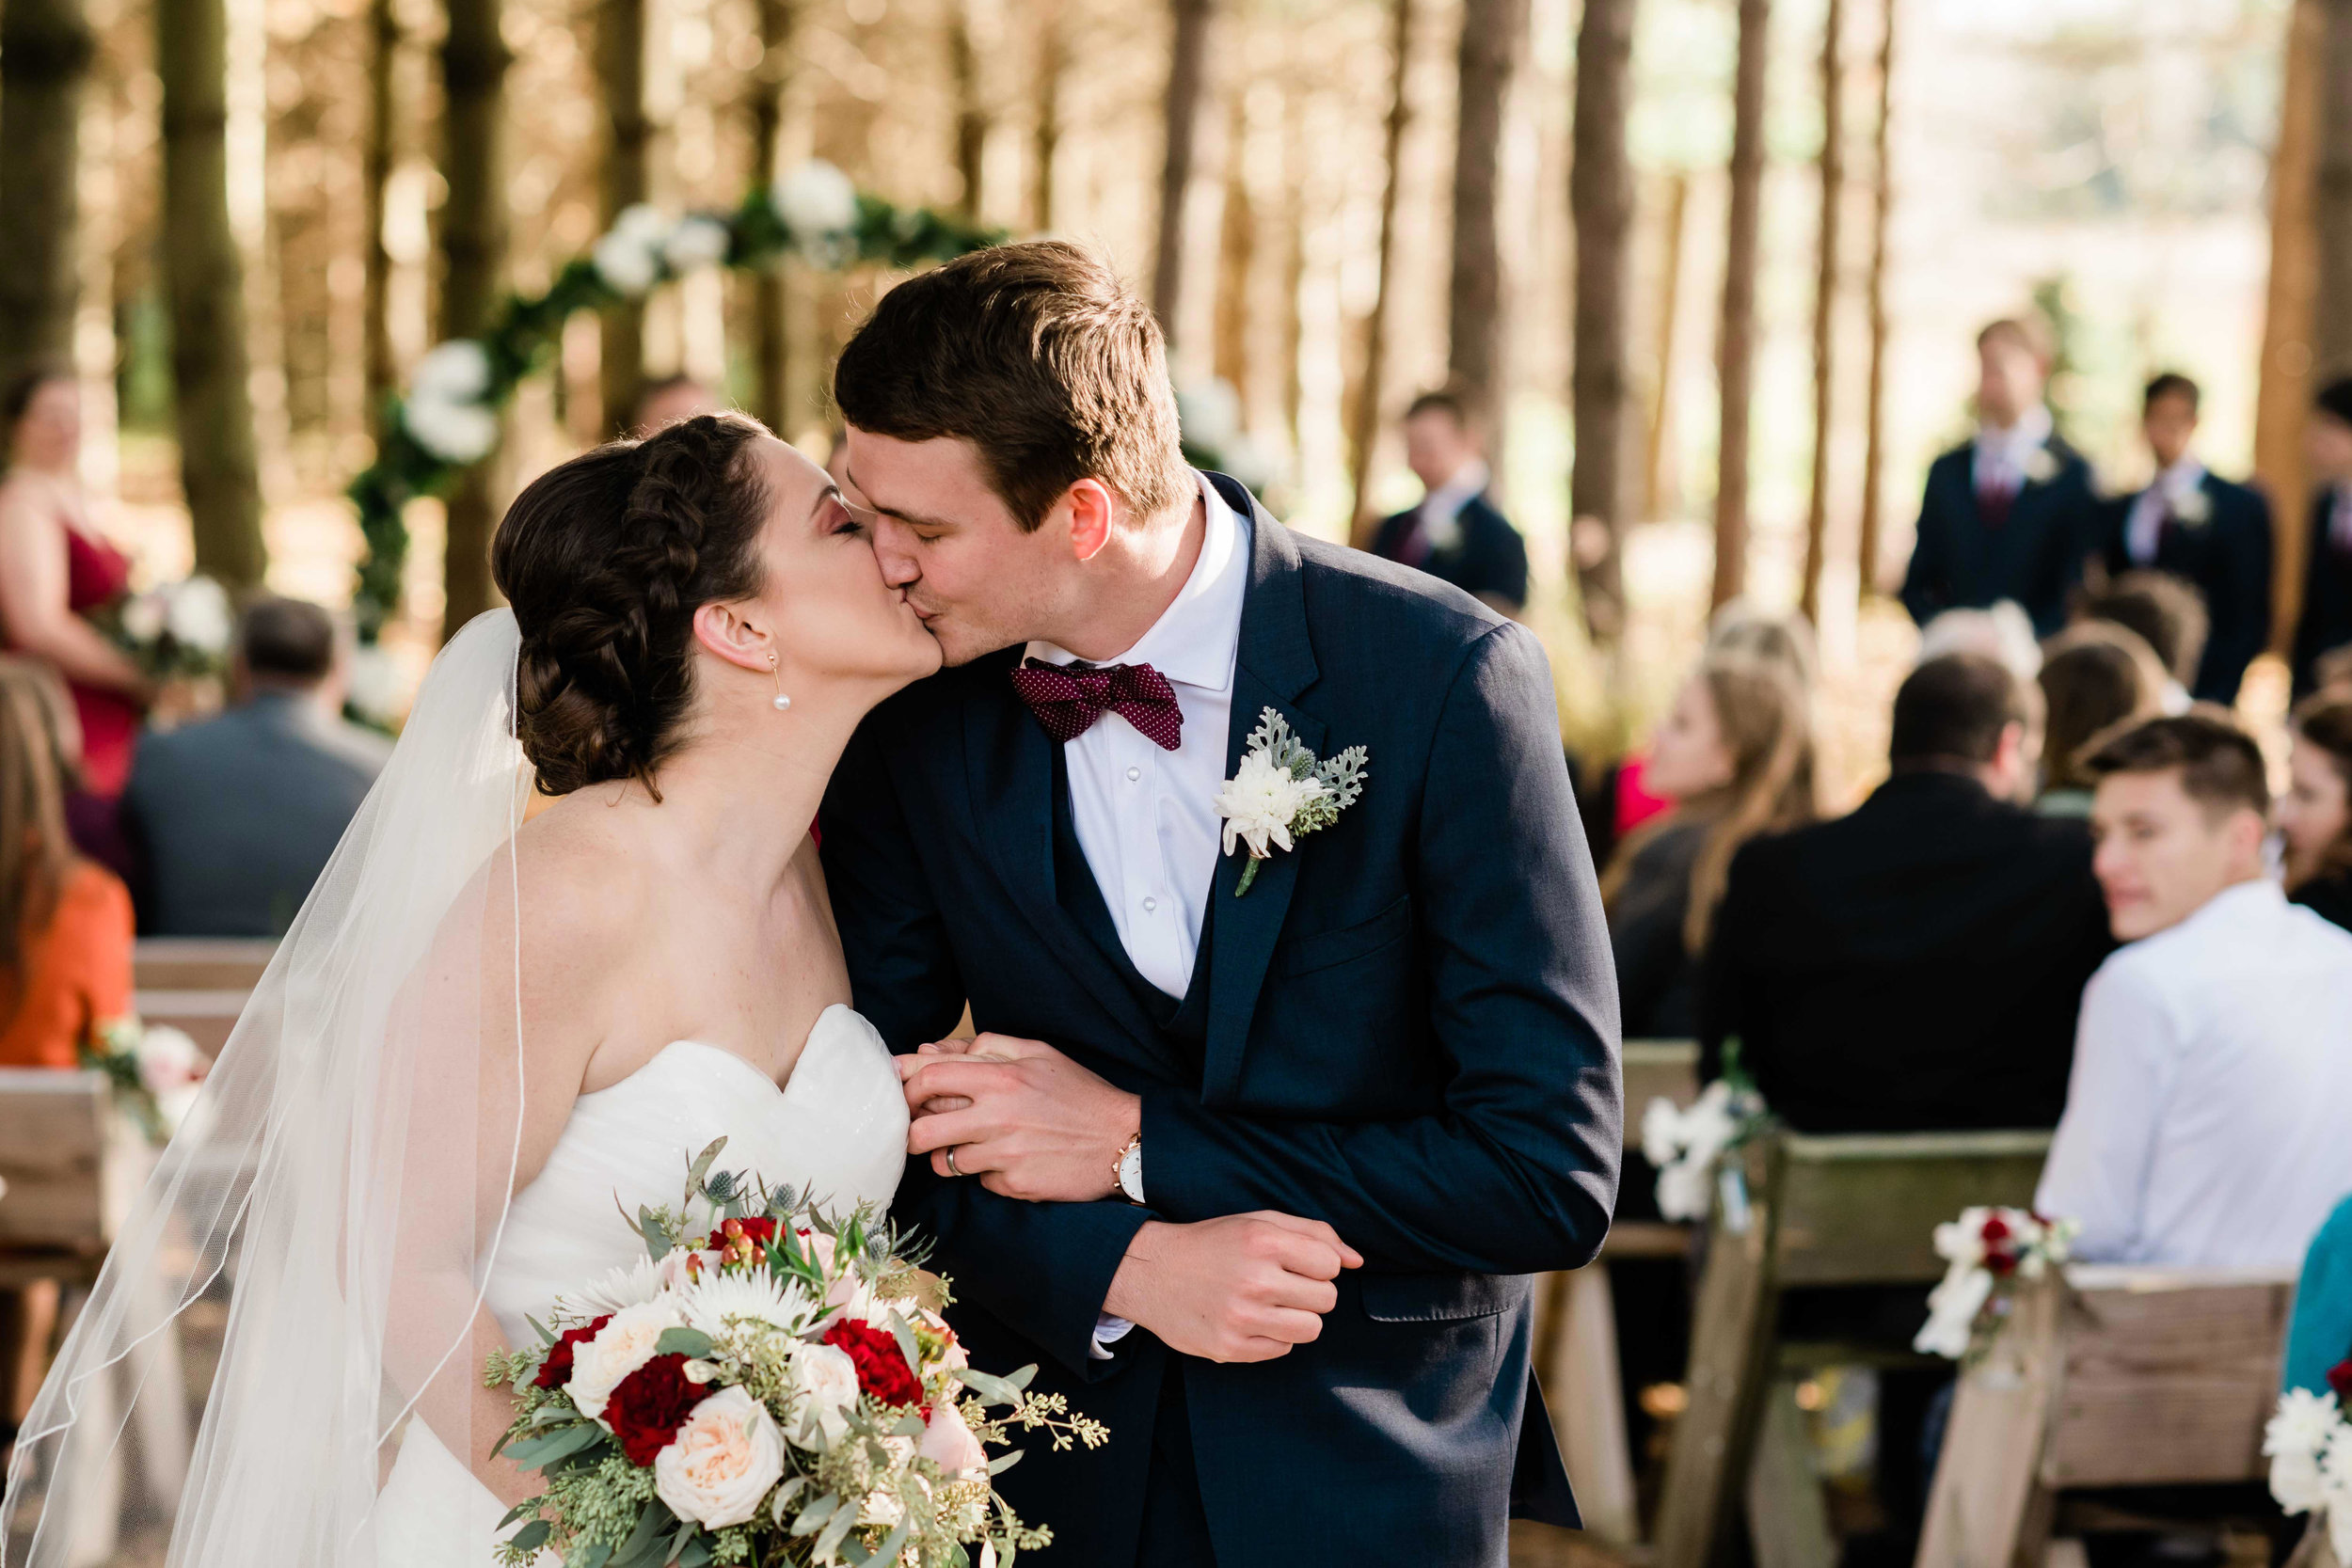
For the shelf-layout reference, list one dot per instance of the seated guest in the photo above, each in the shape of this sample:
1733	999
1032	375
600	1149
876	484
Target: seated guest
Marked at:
2319	1329
2325	621
2195	526
2008	515
2316	813
2001	632
1917	963
1455	533
2167	615
2205	1121
238	815
1735	753
2093	676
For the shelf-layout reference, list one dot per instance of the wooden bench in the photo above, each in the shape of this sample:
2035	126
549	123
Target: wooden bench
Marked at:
1848	1210
200	963
206	1016
2117	1377
1576	1324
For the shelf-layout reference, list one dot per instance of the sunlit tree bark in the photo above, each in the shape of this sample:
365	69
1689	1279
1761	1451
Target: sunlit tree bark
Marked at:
627	180
1833	181
1735	343
1494	34
473	250
771	300
1600	200
2284	385
1186	104
1881	209
1365	433
45	49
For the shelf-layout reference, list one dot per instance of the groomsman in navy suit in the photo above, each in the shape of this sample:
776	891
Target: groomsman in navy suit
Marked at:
2010	514
2326	623
2203	528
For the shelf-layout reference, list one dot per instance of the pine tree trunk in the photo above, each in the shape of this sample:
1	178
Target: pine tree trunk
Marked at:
1736	345
1493	37
375	174
1237	257
1874	419
964	66
1365	435
1053	48
1187	102
206	277
627	180
2331	206
473	250
2283	386
1655	485
1600	200
771	297
1832	171
45	48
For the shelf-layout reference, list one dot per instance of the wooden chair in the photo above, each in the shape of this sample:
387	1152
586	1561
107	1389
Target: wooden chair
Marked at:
1848	1210
200	963
1576	1324
2118	1376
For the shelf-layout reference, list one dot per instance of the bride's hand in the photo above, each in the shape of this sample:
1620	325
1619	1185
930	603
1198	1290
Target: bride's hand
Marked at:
960	1046
1035	1124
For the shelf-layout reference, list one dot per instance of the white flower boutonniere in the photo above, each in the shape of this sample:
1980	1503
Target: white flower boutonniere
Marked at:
2191	508
1280	791
2042	465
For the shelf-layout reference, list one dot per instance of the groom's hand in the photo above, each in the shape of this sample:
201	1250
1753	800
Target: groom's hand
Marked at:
1035	1124
1243	1287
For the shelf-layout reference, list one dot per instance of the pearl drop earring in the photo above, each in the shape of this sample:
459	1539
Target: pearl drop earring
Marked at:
782	702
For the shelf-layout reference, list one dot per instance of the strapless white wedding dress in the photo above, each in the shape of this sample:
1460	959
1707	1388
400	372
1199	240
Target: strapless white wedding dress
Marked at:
837	1129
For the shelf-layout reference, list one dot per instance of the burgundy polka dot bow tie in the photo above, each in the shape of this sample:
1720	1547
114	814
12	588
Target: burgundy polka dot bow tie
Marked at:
1069	698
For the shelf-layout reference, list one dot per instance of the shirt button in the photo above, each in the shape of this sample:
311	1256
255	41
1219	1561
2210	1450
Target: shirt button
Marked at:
1149	905
1134	773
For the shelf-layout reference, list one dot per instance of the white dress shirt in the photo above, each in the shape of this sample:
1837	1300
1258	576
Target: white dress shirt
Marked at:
2143	531
2005	457
2207	1120
1145	816
1440	513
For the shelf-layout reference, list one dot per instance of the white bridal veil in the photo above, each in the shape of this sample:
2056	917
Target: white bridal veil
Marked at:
347	1164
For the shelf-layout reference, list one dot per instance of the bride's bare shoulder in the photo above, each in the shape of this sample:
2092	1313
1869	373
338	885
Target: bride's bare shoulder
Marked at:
582	880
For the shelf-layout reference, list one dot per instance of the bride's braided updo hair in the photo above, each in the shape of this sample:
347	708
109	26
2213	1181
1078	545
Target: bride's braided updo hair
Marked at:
605	559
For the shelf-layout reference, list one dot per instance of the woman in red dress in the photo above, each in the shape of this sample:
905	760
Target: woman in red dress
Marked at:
55	570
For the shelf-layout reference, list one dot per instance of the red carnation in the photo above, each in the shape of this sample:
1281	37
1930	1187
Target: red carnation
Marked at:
2001	1255
882	1371
2339	1379
556	1371
649	1405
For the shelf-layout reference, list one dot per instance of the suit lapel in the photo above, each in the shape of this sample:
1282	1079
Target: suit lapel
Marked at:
1010	760
1275	663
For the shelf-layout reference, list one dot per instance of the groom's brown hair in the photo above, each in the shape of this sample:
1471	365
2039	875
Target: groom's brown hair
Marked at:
1041	358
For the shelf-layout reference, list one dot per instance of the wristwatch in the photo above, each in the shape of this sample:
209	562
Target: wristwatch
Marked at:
1127	1170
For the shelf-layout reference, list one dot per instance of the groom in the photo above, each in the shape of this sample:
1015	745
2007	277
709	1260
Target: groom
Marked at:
1258	1177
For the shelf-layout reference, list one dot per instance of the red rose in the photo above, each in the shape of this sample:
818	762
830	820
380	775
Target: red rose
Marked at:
649	1405
2339	1379
556	1371
882	1371
1996	1231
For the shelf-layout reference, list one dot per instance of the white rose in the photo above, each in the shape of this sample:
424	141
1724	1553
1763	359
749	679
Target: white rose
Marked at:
1963	1241
456	371
696	241
627	266
143	618
721	1462
198	616
619	1349
1684	1190
452	432
1952	1308
824	1384
1260	801
949	1444
1661	1131
816	201
169	1060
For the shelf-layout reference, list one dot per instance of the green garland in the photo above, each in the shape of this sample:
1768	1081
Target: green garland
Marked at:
523	338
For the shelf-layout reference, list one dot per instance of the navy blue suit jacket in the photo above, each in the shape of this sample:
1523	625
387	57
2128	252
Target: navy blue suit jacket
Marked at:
2226	558
2034	557
2325	622
1412	1034
1491	556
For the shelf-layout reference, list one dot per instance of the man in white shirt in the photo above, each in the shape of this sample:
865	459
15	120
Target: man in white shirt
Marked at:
1456	534
2213	1062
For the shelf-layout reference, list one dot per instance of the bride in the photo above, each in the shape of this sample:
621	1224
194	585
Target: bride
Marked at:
481	1034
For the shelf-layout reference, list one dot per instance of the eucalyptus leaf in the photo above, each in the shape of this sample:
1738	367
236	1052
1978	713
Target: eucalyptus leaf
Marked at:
532	1536
836	1529
1004	1461
995	1389
644	1544
544	1333
595	1554
813	1517
905	1336
692	1343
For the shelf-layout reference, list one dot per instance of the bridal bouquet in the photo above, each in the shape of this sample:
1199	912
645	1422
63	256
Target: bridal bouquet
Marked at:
181	629
767	1387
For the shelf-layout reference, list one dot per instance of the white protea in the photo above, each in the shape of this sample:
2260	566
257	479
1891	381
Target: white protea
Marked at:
452	432
817	203
717	1303
697	241
630	1284
198	616
456	371
1260	801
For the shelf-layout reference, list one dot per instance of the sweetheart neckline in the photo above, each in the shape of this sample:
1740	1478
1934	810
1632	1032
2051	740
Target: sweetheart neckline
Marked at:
782	1089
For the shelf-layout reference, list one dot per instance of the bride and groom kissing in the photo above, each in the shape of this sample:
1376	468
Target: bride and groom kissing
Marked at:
1264	1130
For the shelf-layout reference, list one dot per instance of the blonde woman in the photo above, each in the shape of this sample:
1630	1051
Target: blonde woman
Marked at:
1736	753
